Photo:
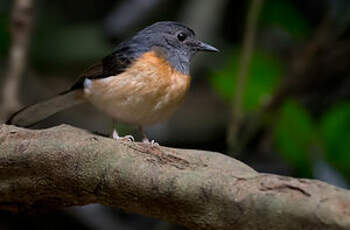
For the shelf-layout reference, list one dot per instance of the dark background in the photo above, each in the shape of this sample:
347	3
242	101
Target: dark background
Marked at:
295	108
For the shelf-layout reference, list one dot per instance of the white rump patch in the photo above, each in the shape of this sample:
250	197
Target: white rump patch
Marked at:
87	83
87	86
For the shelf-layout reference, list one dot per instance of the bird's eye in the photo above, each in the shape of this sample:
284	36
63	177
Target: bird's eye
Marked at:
181	37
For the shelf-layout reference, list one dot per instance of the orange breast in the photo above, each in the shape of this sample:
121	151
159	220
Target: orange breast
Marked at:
148	92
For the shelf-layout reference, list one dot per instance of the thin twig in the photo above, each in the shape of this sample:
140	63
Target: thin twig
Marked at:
295	79
21	27
242	76
299	65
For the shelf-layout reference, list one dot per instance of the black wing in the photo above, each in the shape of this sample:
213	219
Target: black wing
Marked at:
111	65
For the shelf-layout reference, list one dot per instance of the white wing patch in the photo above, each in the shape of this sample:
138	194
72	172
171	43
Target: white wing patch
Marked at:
87	86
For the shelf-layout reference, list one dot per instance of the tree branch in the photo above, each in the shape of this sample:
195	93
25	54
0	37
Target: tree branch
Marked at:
65	166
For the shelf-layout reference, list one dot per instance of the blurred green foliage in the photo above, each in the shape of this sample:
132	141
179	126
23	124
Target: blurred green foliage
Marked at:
263	78
335	126
295	134
265	70
284	15
298	137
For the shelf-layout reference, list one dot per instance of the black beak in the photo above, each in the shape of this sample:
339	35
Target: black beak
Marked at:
206	47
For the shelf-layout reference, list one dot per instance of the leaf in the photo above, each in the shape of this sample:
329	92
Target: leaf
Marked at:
294	135
335	129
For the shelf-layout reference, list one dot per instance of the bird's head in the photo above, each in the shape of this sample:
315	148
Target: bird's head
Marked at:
176	42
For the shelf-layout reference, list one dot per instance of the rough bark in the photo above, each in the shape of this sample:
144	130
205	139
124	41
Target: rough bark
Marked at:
65	166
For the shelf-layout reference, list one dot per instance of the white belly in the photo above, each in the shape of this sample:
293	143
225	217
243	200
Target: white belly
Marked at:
138	97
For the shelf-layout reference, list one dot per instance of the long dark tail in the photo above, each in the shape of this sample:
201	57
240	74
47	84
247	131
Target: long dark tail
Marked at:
32	114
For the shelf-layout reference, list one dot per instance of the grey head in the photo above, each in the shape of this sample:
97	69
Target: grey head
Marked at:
176	42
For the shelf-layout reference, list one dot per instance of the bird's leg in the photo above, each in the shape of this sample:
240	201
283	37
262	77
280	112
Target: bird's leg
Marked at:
116	136
144	137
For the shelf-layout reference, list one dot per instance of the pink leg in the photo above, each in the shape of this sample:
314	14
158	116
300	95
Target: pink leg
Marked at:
116	136
145	139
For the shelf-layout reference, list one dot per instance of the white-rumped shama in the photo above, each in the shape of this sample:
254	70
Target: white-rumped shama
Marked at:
141	83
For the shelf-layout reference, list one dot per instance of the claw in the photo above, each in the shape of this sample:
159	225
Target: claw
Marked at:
127	138
152	143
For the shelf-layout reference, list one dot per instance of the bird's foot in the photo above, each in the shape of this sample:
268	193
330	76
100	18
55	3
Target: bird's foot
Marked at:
125	138
152	142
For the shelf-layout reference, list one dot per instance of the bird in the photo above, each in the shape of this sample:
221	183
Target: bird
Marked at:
142	82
